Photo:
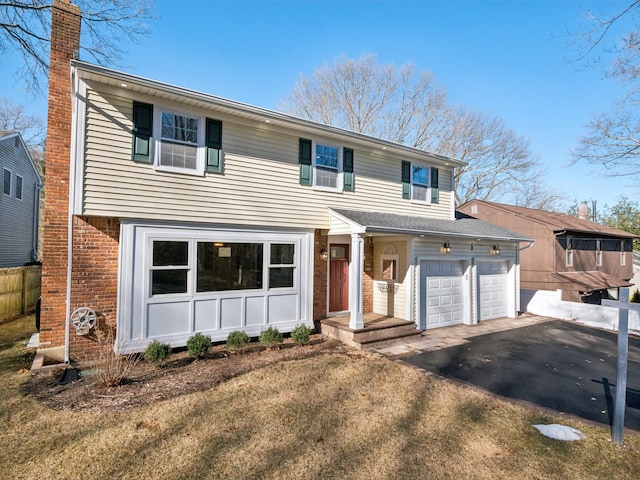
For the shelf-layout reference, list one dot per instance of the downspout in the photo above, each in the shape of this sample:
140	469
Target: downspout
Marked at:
36	221
531	242
72	181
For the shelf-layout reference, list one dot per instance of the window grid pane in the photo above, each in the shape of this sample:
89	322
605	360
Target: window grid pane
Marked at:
18	187
420	176
419	193
178	155
180	128
327	157
6	182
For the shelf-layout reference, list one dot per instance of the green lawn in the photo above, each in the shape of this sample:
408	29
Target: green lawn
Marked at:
333	416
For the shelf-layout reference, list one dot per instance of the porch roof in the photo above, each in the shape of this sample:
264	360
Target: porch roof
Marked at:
381	222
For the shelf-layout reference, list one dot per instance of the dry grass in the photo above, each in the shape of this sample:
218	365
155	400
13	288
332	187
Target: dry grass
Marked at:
353	416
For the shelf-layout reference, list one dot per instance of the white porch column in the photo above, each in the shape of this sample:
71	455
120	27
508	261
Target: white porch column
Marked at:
356	273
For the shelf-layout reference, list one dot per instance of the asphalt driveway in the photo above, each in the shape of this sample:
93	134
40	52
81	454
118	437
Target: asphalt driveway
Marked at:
560	365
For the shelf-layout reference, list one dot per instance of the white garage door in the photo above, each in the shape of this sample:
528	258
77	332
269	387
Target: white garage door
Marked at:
442	300
494	298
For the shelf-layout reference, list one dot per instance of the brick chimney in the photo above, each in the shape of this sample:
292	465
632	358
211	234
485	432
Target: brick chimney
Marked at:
583	211
65	41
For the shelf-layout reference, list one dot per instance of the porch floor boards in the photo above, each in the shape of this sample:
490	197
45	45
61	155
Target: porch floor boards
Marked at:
379	331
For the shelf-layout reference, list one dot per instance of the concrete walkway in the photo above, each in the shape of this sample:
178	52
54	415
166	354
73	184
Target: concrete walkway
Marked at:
445	337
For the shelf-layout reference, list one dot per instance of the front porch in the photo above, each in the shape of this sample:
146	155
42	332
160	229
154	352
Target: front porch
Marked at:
378	331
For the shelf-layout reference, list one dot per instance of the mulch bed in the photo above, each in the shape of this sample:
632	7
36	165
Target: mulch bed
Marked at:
181	375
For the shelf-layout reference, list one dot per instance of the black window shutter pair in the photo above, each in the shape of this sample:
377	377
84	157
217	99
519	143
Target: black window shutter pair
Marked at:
406	182
143	137
306	170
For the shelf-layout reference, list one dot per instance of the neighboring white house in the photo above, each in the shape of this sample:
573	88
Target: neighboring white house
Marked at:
19	202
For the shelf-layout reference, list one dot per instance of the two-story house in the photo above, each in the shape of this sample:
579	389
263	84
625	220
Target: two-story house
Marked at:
19	202
587	261
191	213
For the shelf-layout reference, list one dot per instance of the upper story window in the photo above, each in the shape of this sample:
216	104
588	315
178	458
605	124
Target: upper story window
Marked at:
598	253
569	252
179	141
420	183
176	141
18	187
623	260
326	167
6	181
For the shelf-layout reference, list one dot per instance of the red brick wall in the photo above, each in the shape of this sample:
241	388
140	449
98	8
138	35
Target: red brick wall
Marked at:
65	39
94	281
320	280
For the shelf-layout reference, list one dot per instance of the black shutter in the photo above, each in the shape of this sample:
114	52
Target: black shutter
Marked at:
406	179
347	163
435	191
305	162
142	132
213	142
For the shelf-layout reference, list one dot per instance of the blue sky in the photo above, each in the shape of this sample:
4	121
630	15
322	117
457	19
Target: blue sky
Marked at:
508	58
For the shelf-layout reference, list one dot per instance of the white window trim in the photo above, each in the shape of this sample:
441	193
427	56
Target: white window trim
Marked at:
340	180
598	253
428	186
157	135
569	252
623	260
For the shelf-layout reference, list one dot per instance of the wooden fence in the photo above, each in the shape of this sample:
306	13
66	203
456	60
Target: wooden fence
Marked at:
19	290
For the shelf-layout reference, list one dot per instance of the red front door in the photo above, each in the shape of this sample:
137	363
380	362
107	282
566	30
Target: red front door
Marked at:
339	278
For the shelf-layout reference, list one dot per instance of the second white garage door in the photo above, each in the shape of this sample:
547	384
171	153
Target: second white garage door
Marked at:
494	299
441	293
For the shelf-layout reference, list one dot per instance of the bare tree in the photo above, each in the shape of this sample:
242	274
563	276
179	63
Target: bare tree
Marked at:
13	118
25	27
612	139
410	107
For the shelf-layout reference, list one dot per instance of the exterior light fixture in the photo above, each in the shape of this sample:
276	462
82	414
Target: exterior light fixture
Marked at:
324	254
495	250
446	249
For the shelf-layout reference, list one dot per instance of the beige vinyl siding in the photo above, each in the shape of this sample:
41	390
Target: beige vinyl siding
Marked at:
260	184
391	303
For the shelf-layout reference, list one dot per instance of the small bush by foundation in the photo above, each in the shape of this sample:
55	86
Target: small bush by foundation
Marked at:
301	334
198	345
270	337
157	352
237	340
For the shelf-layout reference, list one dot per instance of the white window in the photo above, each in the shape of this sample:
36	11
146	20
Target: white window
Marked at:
598	253
569	252
6	183
181	141
420	184
18	187
327	165
623	260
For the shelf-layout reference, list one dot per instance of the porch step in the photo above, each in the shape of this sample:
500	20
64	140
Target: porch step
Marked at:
374	335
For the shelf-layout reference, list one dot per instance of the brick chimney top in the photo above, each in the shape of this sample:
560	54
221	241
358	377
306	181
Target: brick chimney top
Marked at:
583	211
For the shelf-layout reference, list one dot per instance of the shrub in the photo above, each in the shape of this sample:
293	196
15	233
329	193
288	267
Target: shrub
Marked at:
635	297
112	369
301	334
237	339
198	345
157	352
270	337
